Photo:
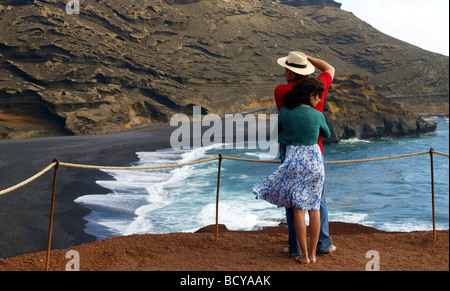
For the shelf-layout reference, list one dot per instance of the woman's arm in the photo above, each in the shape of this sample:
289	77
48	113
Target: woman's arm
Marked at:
324	129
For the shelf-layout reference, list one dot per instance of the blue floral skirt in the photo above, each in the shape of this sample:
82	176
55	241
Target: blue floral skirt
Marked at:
298	182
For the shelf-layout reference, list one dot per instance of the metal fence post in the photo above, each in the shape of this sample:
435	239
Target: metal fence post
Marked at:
432	193
51	214
217	198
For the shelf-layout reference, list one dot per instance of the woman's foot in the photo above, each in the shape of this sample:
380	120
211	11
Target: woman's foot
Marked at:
303	259
312	258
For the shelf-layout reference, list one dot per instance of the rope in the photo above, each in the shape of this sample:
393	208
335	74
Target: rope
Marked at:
378	159
439	153
29	179
136	168
2	192
337	162
253	161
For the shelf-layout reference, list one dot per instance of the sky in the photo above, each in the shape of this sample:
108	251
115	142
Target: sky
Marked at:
424	23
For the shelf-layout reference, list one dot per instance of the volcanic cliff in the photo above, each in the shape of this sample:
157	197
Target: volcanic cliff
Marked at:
109	65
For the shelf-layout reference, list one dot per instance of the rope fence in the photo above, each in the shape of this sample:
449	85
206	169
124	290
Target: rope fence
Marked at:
21	184
72	165
56	164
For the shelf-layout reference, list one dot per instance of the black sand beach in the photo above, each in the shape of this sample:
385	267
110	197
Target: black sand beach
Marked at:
24	213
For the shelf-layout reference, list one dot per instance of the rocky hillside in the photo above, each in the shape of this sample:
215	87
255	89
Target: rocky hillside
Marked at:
121	63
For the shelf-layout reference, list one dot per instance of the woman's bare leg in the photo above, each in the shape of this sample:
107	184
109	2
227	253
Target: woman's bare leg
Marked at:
314	230
300	229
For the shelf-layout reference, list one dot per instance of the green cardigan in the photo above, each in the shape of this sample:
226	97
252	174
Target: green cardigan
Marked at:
301	126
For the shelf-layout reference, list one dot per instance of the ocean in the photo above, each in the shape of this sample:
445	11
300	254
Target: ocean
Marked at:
391	195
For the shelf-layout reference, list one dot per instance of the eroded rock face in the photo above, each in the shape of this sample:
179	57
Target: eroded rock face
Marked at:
355	109
120	63
321	3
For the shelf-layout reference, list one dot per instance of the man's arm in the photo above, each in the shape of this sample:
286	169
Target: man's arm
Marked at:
322	66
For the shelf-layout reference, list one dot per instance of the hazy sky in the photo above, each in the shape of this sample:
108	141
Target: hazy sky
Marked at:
421	23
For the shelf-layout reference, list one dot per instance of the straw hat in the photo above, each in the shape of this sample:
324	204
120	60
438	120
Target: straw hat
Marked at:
298	63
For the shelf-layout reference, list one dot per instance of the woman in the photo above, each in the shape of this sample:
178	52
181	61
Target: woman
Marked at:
299	181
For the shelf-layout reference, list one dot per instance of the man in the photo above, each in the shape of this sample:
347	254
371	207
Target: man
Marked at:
298	65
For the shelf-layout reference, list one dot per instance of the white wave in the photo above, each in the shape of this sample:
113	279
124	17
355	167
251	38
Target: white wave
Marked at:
432	118
409	225
123	203
349	217
142	223
111	214
353	140
262	156
242	216
402	225
169	186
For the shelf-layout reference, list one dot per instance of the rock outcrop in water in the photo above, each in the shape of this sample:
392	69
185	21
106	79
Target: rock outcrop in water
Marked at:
121	63
355	109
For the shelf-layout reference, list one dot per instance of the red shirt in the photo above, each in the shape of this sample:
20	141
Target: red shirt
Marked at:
282	90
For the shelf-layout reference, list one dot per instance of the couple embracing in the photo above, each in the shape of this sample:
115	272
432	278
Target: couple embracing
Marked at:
298	184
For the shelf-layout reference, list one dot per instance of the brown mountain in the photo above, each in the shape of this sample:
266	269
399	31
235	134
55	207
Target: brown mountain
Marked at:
121	63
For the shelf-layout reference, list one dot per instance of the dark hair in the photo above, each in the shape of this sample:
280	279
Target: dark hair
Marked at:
305	88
